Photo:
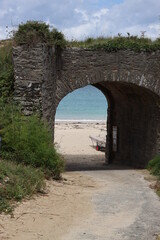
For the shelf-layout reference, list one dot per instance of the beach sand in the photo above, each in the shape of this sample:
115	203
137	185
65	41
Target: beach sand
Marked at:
73	142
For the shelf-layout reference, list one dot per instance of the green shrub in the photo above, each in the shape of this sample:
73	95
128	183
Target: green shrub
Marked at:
28	140
154	165
17	182
33	32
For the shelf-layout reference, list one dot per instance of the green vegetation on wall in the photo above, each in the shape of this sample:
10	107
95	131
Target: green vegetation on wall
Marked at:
33	32
6	71
115	44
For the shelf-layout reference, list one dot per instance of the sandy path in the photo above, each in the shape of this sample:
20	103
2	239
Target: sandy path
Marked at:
51	216
93	203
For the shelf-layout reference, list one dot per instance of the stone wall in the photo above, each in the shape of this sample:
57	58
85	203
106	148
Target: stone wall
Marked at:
35	80
130	81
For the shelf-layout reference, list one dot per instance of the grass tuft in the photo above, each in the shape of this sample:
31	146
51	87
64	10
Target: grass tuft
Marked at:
17	182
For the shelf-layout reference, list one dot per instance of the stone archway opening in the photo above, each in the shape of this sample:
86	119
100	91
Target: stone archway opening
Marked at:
81	114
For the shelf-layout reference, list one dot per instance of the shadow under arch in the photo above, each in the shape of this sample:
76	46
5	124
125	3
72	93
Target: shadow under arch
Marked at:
135	112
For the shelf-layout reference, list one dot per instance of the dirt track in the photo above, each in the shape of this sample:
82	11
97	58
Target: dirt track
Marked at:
124	208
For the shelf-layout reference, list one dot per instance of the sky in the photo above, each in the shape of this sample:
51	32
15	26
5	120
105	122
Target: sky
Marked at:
79	19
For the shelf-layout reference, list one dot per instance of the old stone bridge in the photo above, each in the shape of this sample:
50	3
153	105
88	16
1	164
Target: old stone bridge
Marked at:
130	82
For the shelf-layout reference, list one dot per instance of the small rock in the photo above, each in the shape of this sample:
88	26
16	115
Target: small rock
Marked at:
6	179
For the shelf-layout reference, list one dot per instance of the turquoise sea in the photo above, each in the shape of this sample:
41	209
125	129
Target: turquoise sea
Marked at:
83	104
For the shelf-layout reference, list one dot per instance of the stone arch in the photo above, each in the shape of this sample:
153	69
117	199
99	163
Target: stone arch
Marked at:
129	80
79	67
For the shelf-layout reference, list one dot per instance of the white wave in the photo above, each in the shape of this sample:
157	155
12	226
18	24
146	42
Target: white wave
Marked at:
80	120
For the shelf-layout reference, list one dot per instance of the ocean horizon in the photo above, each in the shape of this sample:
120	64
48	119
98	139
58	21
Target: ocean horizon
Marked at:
87	104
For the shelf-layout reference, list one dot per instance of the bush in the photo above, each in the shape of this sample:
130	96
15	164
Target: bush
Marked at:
33	32
17	182
28	140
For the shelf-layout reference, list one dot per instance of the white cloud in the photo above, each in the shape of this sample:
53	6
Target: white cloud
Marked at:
128	16
83	14
155	26
100	13
3	13
2	33
90	28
